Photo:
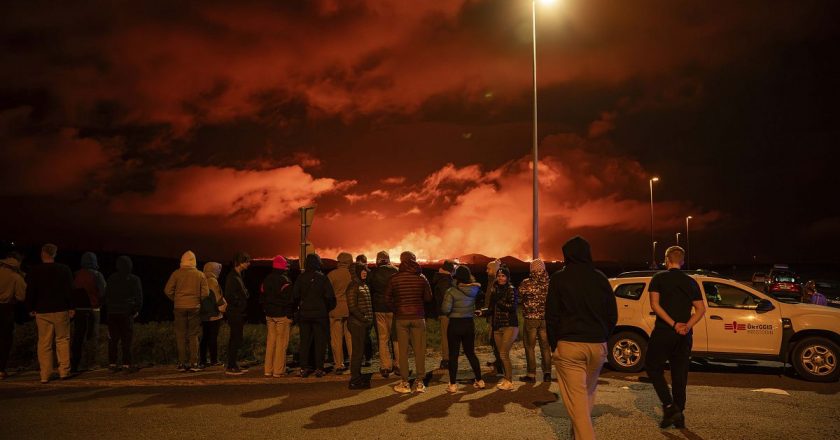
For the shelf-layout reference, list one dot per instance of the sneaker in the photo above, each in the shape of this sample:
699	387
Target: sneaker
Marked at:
233	371
527	379
340	370
45	381
69	376
182	368
402	388
384	373
419	386
360	385
267	375
196	368
546	377
243	368
278	375
479	384
217	364
669	412
679	420
452	388
505	385
319	373
305	372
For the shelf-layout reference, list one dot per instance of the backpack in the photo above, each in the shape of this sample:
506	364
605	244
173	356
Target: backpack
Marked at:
209	307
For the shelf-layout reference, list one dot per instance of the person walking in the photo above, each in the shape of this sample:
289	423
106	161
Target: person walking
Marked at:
212	312
441	282
383	314
88	290
673	294
187	287
361	318
533	292
276	300
458	306
12	291
236	296
339	333
580	314
49	290
407	291
122	303
313	296
504	321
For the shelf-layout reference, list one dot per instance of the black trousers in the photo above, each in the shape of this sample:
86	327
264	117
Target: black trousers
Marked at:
368	345
461	332
120	331
85	328
235	342
314	335
7	333
358	333
209	341
666	345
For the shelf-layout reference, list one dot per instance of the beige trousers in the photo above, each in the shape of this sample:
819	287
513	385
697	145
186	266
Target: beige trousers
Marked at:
384	323
578	365
340	334
276	343
53	327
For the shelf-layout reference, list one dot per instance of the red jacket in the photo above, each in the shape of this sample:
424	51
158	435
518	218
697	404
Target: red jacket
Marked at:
407	290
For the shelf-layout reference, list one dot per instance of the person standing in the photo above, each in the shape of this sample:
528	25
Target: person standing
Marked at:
361	318
123	301
459	306
533	291
362	258
236	296
378	282
88	290
339	333
12	291
441	282
187	287
314	297
492	268
49	293
504	321
279	310
673	294
811	296
407	291
212	311
580	314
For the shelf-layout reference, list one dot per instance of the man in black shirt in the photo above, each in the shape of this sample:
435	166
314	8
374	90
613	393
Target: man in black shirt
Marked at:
672	295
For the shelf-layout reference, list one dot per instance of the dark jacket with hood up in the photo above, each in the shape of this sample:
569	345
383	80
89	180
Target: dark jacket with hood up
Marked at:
441	282
88	284
358	297
408	290
124	293
580	306
378	282
313	293
276	297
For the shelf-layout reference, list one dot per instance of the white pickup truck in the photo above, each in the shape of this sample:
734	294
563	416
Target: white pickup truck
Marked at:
740	323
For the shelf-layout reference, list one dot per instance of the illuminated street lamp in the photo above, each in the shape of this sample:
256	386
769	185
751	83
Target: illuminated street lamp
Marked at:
653	253
678	238
536	193
687	244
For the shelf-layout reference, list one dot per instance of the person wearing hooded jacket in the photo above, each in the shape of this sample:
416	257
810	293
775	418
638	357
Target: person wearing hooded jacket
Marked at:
12	291
378	282
340	278
407	291
88	290
361	318
123	301
580	314
492	268
441	282
314	298
212	311
504	321
187	287
276	300
533	292
459	306
236	296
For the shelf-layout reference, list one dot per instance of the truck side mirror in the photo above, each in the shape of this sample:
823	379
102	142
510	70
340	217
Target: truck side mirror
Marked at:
764	306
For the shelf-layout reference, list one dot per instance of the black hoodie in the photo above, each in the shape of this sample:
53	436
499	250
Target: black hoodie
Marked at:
124	291
580	306
276	298
313	292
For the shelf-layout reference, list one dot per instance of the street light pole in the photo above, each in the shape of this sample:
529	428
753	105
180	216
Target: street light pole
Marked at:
653	262
536	201
653	252
687	244
678	238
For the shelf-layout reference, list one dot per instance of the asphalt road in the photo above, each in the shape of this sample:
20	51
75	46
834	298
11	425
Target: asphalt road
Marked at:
160	403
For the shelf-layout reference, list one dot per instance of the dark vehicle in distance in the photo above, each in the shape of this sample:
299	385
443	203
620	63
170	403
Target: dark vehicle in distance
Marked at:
783	284
831	290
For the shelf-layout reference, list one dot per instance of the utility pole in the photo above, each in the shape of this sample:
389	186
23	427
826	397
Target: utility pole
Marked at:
307	215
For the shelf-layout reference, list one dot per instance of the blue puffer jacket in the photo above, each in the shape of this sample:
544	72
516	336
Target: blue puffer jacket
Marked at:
459	301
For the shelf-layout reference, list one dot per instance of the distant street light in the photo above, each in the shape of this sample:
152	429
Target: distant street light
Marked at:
653	264
687	244
678	238
653	253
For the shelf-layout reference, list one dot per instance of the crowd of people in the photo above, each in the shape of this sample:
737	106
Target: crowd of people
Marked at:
569	315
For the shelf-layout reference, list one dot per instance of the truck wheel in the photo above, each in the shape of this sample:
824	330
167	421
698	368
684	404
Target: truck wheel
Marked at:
816	358
627	352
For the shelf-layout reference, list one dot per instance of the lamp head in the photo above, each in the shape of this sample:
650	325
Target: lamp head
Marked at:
654	179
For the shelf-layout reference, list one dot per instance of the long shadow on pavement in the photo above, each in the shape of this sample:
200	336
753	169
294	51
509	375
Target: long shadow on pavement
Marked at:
337	417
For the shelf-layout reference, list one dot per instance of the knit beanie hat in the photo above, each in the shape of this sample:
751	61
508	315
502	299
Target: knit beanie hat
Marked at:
505	270
463	275
188	259
407	256
537	266
280	262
